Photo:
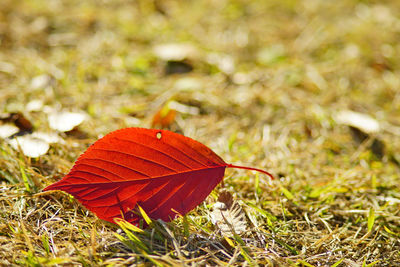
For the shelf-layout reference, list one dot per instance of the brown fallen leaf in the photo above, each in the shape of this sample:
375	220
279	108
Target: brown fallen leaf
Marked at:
228	215
23	124
164	117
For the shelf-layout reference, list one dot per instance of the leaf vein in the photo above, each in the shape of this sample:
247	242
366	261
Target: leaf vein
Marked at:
157	150
172	147
132	155
118	164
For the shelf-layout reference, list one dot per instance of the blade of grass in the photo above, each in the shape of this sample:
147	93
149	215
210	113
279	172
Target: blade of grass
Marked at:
46	244
144	215
132	237
337	263
290	248
304	263
373	263
25	178
128	225
371	219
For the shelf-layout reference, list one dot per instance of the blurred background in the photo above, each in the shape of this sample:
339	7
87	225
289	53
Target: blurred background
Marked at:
261	71
306	89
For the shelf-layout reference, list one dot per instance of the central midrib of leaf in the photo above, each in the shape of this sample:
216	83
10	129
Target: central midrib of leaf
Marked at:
143	179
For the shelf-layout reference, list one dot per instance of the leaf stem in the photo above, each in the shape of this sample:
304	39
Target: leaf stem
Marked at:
251	169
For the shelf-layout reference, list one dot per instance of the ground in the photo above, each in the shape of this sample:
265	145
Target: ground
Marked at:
259	82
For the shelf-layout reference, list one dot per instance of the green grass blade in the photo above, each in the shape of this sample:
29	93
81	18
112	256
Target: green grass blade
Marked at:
371	219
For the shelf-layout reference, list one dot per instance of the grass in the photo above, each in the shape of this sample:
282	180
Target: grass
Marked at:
268	78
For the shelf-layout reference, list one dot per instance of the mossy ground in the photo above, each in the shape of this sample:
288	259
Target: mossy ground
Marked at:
266	82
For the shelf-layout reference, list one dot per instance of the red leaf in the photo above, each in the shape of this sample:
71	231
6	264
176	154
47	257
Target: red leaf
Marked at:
159	170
